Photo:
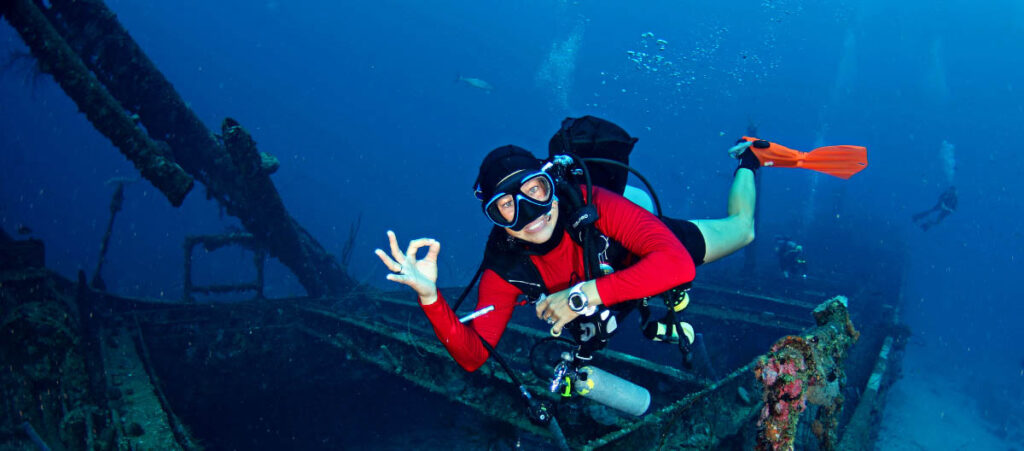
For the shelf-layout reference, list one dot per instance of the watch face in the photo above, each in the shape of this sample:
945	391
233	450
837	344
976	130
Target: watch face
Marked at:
577	302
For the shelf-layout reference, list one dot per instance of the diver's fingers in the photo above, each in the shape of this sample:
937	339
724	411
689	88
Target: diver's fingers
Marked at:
396	253
550	314
414	246
542	307
556	330
388	261
403	279
433	251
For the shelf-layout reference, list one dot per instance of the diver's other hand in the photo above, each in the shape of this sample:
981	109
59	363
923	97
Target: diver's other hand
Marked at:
420	275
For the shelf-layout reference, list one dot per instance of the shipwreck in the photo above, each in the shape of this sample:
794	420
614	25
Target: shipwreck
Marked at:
802	367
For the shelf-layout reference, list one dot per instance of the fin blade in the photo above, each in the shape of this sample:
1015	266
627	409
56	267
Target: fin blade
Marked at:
841	161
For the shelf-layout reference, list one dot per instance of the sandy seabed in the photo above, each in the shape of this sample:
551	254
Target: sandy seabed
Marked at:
929	410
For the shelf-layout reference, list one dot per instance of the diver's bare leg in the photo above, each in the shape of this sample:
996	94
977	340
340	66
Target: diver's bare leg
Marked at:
934	222
923	214
730	234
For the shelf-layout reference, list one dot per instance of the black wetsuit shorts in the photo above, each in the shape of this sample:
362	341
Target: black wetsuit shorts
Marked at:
690	236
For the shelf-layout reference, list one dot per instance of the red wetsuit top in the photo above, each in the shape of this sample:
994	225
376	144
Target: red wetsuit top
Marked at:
662	263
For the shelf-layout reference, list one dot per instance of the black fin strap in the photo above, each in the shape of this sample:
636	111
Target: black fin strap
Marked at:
645	312
683	342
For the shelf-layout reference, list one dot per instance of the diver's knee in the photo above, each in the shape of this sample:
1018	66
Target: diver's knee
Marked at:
749	234
745	229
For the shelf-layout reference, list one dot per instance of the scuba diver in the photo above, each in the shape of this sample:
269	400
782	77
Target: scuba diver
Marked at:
580	251
945	205
791	257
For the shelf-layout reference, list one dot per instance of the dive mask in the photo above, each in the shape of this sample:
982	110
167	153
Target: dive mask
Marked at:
520	199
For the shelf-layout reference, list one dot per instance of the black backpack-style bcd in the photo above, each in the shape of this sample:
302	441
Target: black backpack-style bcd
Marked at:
593	137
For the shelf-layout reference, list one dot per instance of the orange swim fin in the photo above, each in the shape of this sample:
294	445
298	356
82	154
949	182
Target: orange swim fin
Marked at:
840	161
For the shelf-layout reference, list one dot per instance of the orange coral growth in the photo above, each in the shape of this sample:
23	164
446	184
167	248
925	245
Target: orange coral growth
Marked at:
853	333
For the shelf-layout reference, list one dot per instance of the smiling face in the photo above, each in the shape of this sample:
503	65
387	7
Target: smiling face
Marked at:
517	194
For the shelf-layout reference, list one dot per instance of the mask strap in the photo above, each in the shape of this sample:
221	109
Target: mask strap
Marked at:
477	192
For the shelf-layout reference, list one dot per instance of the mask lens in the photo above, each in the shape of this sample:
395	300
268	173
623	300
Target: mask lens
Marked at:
537	187
502	210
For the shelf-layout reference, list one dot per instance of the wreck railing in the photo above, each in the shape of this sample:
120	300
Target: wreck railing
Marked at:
214	242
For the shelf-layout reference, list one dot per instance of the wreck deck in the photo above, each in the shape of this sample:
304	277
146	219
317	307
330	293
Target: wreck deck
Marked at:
300	348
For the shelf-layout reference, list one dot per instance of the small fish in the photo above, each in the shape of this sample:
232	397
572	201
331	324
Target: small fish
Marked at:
24	229
475	82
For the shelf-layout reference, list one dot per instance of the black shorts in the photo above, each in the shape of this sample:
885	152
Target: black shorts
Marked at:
690	236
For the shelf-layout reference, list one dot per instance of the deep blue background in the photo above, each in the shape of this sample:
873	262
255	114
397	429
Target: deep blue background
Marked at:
358	101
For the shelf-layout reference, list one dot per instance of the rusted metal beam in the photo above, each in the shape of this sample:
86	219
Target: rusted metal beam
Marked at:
138	414
700	420
152	158
225	165
422	362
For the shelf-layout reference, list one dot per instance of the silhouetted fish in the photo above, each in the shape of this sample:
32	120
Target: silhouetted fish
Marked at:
475	82
24	229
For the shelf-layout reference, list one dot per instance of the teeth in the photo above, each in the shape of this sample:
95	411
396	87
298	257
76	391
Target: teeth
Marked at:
539	223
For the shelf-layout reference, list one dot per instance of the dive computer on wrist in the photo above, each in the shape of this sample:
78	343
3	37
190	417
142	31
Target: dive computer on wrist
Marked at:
578	300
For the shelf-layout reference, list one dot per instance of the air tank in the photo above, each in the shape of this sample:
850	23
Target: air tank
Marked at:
612	391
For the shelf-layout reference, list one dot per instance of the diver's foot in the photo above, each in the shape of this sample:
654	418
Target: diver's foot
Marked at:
742	152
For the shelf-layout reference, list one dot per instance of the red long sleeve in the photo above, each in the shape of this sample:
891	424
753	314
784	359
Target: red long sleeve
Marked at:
662	263
461	339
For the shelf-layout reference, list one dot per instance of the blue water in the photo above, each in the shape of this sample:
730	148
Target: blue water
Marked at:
358	101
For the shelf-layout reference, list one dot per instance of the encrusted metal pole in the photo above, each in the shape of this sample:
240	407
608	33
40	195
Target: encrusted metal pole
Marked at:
115	206
802	369
241	185
152	158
